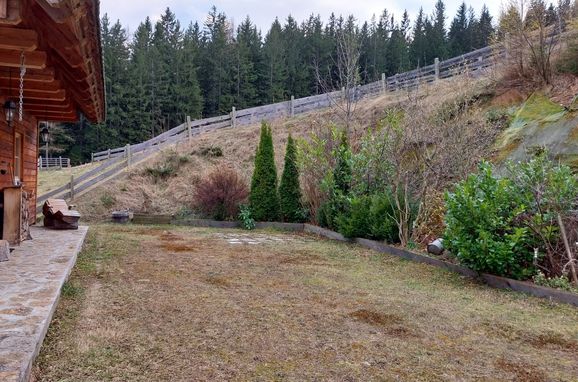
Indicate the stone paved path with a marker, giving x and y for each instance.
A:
(30, 284)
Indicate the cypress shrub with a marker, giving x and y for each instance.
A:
(289, 190)
(263, 198)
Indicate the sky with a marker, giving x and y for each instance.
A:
(262, 13)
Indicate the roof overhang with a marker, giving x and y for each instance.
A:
(60, 43)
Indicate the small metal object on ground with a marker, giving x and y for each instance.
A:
(4, 250)
(436, 247)
(121, 217)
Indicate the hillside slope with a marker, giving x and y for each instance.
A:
(165, 183)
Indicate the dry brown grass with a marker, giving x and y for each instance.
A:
(52, 179)
(304, 310)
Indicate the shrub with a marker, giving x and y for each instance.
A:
(167, 167)
(289, 190)
(264, 200)
(370, 217)
(210, 152)
(383, 225)
(247, 221)
(220, 194)
(547, 190)
(107, 200)
(480, 227)
(355, 221)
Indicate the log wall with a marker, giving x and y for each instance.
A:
(28, 129)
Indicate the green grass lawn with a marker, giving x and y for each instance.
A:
(183, 304)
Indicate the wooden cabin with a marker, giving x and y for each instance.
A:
(51, 68)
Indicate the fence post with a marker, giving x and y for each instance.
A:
(40, 162)
(91, 157)
(292, 107)
(60, 162)
(233, 117)
(189, 132)
(128, 155)
(437, 68)
(71, 187)
(383, 83)
(395, 81)
(108, 154)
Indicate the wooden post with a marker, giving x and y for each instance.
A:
(343, 93)
(60, 162)
(383, 83)
(292, 107)
(233, 117)
(40, 162)
(71, 187)
(108, 155)
(395, 81)
(91, 157)
(128, 155)
(189, 132)
(437, 68)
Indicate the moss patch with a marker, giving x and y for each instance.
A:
(537, 108)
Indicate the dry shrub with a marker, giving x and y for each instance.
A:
(220, 193)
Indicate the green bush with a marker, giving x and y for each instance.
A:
(355, 221)
(480, 226)
(383, 226)
(370, 217)
(247, 221)
(289, 190)
(264, 200)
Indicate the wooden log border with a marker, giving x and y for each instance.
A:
(491, 280)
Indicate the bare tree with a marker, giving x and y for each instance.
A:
(343, 74)
(530, 35)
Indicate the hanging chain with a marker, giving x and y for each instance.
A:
(22, 73)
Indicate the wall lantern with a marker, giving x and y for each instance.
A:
(44, 133)
(10, 111)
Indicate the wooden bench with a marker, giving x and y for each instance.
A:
(58, 215)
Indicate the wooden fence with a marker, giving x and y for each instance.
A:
(53, 163)
(115, 161)
(474, 63)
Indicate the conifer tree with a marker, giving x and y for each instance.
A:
(263, 199)
(289, 189)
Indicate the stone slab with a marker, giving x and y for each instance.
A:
(30, 284)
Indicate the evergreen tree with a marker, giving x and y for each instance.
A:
(458, 32)
(263, 198)
(485, 29)
(418, 46)
(275, 62)
(437, 38)
(247, 65)
(289, 190)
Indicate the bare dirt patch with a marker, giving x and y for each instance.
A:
(270, 312)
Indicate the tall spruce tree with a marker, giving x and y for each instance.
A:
(263, 198)
(289, 189)
(276, 64)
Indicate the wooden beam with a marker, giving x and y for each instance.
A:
(69, 110)
(60, 95)
(40, 75)
(31, 85)
(56, 117)
(18, 39)
(3, 9)
(33, 60)
(45, 102)
(58, 15)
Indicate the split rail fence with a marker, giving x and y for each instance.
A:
(116, 160)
